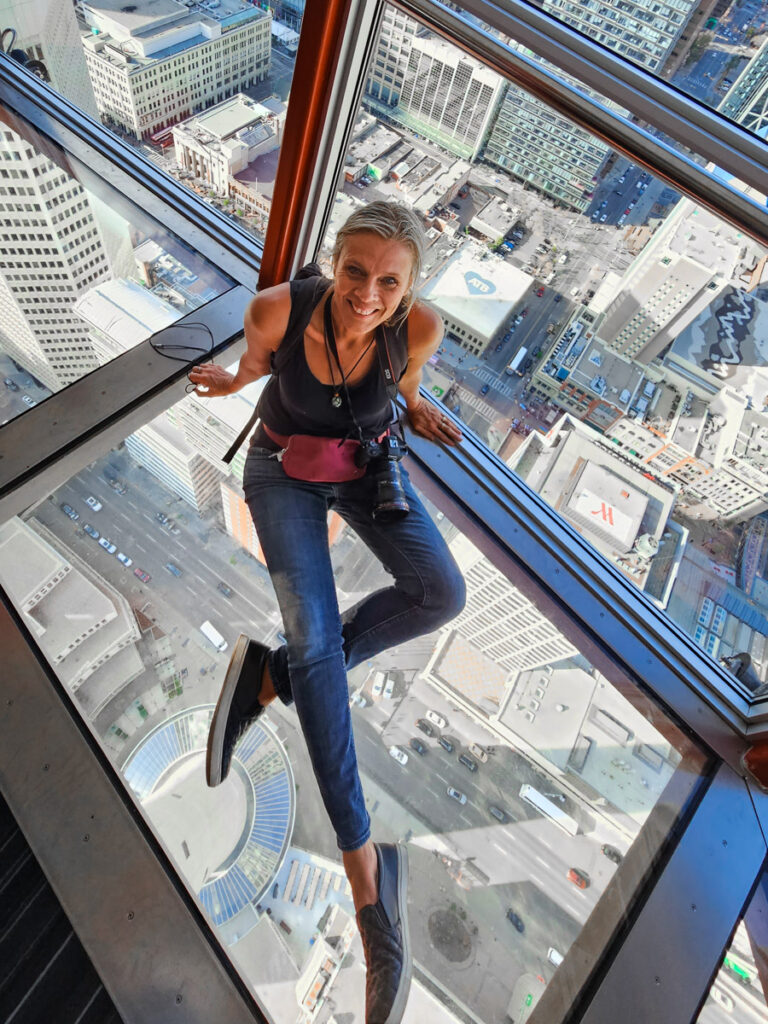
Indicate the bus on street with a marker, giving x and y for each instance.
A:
(549, 809)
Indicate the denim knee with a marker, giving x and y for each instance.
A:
(446, 593)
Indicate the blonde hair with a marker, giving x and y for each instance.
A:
(394, 222)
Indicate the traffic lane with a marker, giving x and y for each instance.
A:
(158, 544)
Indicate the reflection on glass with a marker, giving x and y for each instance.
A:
(199, 88)
(602, 335)
(79, 283)
(736, 993)
(526, 780)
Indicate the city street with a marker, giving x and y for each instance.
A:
(522, 863)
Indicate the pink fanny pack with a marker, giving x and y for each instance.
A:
(327, 460)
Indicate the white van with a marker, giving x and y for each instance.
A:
(554, 957)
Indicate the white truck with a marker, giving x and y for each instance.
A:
(213, 636)
(514, 366)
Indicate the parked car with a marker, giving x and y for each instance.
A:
(143, 576)
(161, 517)
(498, 347)
(90, 531)
(174, 570)
(516, 921)
(124, 559)
(524, 313)
(446, 744)
(477, 751)
(94, 503)
(108, 545)
(399, 755)
(418, 746)
(604, 218)
(539, 292)
(425, 727)
(27, 400)
(468, 762)
(578, 878)
(389, 688)
(455, 794)
(435, 719)
(11, 384)
(69, 511)
(358, 700)
(224, 589)
(611, 853)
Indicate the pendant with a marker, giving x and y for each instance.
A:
(336, 401)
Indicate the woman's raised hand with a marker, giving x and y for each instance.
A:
(428, 421)
(212, 381)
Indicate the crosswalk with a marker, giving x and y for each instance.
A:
(487, 377)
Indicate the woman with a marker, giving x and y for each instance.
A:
(336, 350)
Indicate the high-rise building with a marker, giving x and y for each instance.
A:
(93, 648)
(644, 31)
(500, 621)
(747, 99)
(432, 88)
(689, 261)
(532, 142)
(155, 63)
(56, 241)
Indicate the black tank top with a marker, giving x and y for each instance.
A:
(294, 401)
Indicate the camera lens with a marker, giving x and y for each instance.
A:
(390, 502)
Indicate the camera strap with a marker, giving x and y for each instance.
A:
(330, 341)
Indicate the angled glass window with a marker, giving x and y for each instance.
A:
(527, 782)
(737, 991)
(200, 89)
(84, 274)
(714, 54)
(602, 335)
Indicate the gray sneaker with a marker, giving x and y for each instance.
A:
(384, 931)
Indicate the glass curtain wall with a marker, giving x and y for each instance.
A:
(602, 334)
(715, 53)
(199, 89)
(533, 791)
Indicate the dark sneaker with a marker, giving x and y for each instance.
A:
(238, 706)
(384, 931)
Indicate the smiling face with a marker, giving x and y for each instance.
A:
(371, 276)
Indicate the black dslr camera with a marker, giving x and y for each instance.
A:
(381, 458)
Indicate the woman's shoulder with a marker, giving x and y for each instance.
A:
(269, 311)
(424, 325)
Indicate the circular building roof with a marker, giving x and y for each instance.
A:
(229, 841)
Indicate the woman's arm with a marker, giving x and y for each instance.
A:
(266, 320)
(425, 332)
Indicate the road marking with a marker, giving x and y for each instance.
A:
(141, 548)
(500, 848)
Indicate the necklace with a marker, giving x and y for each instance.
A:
(336, 396)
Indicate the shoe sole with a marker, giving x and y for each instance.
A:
(398, 1006)
(214, 751)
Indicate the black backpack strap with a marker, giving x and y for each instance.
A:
(300, 315)
(306, 292)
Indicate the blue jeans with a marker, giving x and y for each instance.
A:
(310, 669)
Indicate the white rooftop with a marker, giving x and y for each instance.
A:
(479, 293)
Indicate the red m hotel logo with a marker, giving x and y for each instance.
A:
(605, 511)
